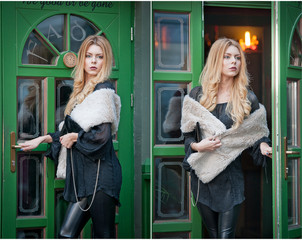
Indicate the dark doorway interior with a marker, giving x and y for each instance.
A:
(256, 212)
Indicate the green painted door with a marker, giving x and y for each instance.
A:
(176, 65)
(37, 38)
(287, 106)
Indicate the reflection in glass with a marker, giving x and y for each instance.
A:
(293, 119)
(30, 108)
(168, 99)
(172, 235)
(36, 51)
(80, 29)
(296, 46)
(53, 29)
(293, 188)
(29, 233)
(30, 184)
(63, 91)
(171, 184)
(171, 41)
(60, 210)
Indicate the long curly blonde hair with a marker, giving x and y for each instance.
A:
(238, 106)
(80, 89)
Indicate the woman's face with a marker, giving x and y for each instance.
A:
(93, 61)
(231, 62)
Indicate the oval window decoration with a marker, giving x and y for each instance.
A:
(296, 46)
(53, 38)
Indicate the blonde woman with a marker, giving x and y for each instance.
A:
(230, 120)
(93, 172)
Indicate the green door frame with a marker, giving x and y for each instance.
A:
(123, 50)
(193, 226)
(284, 19)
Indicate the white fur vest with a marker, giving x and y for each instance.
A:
(101, 106)
(208, 165)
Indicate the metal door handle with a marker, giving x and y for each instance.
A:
(286, 152)
(13, 148)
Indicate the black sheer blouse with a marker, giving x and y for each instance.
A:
(90, 146)
(227, 189)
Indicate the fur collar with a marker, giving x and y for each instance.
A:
(101, 106)
(208, 165)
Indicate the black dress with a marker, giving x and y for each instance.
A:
(227, 189)
(90, 146)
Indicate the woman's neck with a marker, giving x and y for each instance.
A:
(224, 90)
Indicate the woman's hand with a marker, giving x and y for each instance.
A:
(34, 143)
(266, 149)
(207, 144)
(68, 139)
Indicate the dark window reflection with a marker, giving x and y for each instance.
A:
(168, 99)
(63, 91)
(30, 108)
(36, 51)
(171, 41)
(30, 234)
(171, 189)
(53, 29)
(79, 30)
(30, 184)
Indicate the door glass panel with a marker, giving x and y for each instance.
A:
(30, 185)
(64, 88)
(36, 51)
(293, 113)
(172, 235)
(172, 191)
(52, 29)
(60, 210)
(80, 29)
(293, 188)
(30, 233)
(168, 99)
(171, 41)
(30, 108)
(296, 46)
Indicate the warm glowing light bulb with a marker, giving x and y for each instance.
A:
(247, 39)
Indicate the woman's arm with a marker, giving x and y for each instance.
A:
(34, 143)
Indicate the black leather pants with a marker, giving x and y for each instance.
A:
(102, 213)
(219, 224)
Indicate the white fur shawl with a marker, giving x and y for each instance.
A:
(101, 106)
(208, 165)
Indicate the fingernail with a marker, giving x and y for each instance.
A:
(21, 149)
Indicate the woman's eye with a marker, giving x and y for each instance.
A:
(100, 57)
(226, 57)
(238, 58)
(88, 56)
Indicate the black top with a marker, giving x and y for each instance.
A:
(90, 146)
(227, 189)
